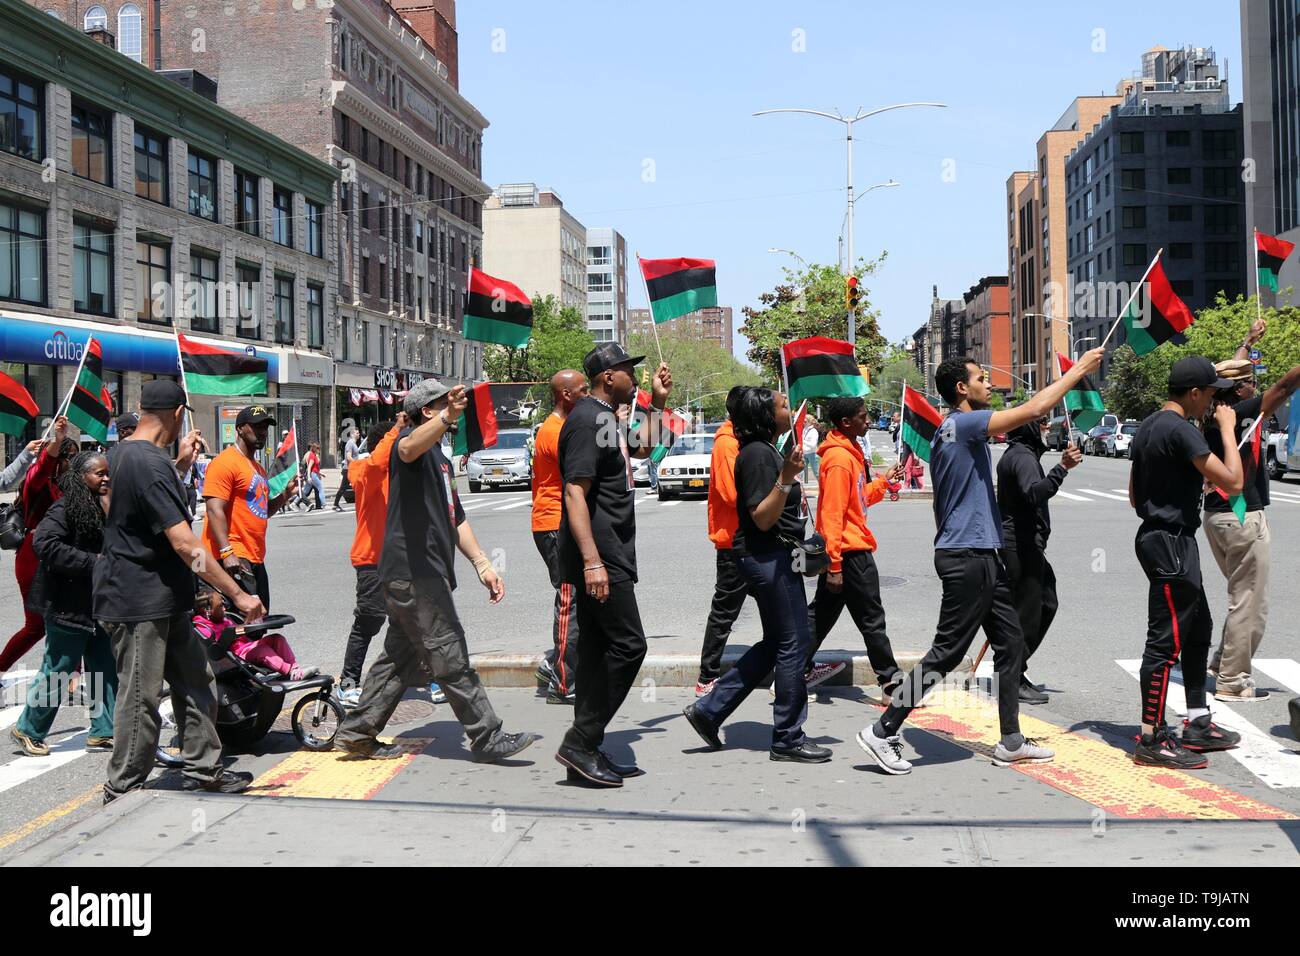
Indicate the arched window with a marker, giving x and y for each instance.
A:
(96, 19)
(128, 31)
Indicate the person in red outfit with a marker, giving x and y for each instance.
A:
(40, 490)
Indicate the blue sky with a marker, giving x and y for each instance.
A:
(639, 116)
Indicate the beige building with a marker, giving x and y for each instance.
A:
(530, 239)
(713, 324)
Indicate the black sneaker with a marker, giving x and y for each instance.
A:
(1029, 694)
(806, 752)
(1205, 736)
(505, 746)
(1162, 749)
(554, 696)
(226, 781)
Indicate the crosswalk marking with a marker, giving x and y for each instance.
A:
(23, 769)
(1104, 494)
(1274, 763)
(513, 504)
(669, 504)
(1284, 495)
(1283, 670)
(1066, 494)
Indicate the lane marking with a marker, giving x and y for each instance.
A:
(1284, 495)
(1066, 494)
(23, 769)
(334, 774)
(1273, 762)
(669, 504)
(50, 816)
(516, 504)
(1104, 494)
(1095, 772)
(1283, 670)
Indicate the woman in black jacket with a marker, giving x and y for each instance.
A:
(67, 542)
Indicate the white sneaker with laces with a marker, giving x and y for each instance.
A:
(1029, 751)
(885, 751)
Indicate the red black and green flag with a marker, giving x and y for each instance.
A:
(497, 311)
(476, 428)
(17, 408)
(1237, 502)
(921, 422)
(643, 407)
(284, 466)
(87, 406)
(679, 286)
(212, 370)
(822, 368)
(797, 425)
(1083, 402)
(671, 427)
(1270, 253)
(1163, 315)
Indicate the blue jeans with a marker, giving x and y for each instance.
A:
(783, 609)
(653, 470)
(313, 487)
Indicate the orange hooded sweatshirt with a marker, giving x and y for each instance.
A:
(843, 496)
(722, 487)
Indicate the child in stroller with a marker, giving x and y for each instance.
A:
(271, 651)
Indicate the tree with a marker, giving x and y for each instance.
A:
(887, 387)
(703, 372)
(811, 302)
(560, 340)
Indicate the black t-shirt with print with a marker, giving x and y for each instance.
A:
(1166, 485)
(423, 514)
(1256, 486)
(593, 445)
(758, 466)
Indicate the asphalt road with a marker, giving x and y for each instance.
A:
(1101, 624)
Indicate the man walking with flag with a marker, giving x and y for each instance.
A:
(558, 667)
(240, 501)
(1237, 529)
(598, 551)
(425, 527)
(976, 588)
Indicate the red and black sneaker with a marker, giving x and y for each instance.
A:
(1162, 749)
(1204, 736)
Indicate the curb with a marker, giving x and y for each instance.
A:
(682, 670)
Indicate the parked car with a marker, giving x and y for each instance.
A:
(1057, 438)
(508, 462)
(1095, 443)
(686, 466)
(710, 427)
(1120, 440)
(641, 471)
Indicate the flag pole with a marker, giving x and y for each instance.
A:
(1069, 425)
(1136, 289)
(67, 399)
(1259, 293)
(654, 325)
(180, 359)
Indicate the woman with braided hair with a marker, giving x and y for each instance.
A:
(67, 542)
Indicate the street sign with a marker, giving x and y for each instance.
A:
(1260, 368)
(1255, 355)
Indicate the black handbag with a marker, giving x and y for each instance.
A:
(808, 556)
(12, 527)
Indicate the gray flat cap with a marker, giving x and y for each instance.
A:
(429, 390)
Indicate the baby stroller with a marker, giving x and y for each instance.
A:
(250, 697)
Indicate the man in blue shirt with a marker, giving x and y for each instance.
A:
(976, 588)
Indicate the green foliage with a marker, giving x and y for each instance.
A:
(703, 372)
(1136, 385)
(886, 385)
(1020, 395)
(560, 340)
(997, 402)
(811, 302)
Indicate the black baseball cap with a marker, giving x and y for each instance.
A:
(127, 420)
(1196, 371)
(253, 415)
(605, 356)
(162, 395)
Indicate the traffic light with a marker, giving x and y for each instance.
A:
(852, 294)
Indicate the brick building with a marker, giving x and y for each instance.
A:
(712, 324)
(988, 330)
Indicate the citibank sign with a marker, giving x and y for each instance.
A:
(59, 348)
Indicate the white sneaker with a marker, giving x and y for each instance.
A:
(885, 751)
(350, 697)
(1029, 751)
(821, 673)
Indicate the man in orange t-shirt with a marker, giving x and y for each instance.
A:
(561, 660)
(730, 589)
(238, 504)
(368, 475)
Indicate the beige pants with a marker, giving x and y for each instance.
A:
(1242, 553)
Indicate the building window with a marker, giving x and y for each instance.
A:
(1178, 176)
(1219, 144)
(600, 282)
(246, 202)
(152, 281)
(1180, 213)
(1220, 182)
(21, 116)
(150, 166)
(128, 31)
(365, 274)
(1133, 217)
(96, 19)
(1222, 257)
(22, 259)
(1130, 143)
(408, 231)
(1132, 179)
(419, 236)
(91, 136)
(201, 298)
(1135, 254)
(284, 310)
(365, 209)
(249, 281)
(315, 316)
(92, 269)
(314, 219)
(1178, 139)
(202, 186)
(282, 201)
(365, 343)
(1180, 250)
(1220, 219)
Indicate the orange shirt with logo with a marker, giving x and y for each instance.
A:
(234, 478)
(369, 477)
(548, 486)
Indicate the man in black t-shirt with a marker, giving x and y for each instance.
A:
(598, 552)
(424, 528)
(1171, 462)
(144, 596)
(1241, 545)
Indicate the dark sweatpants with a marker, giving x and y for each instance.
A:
(861, 595)
(564, 624)
(729, 592)
(611, 647)
(1033, 586)
(367, 620)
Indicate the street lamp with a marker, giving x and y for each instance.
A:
(848, 122)
(790, 253)
(839, 251)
